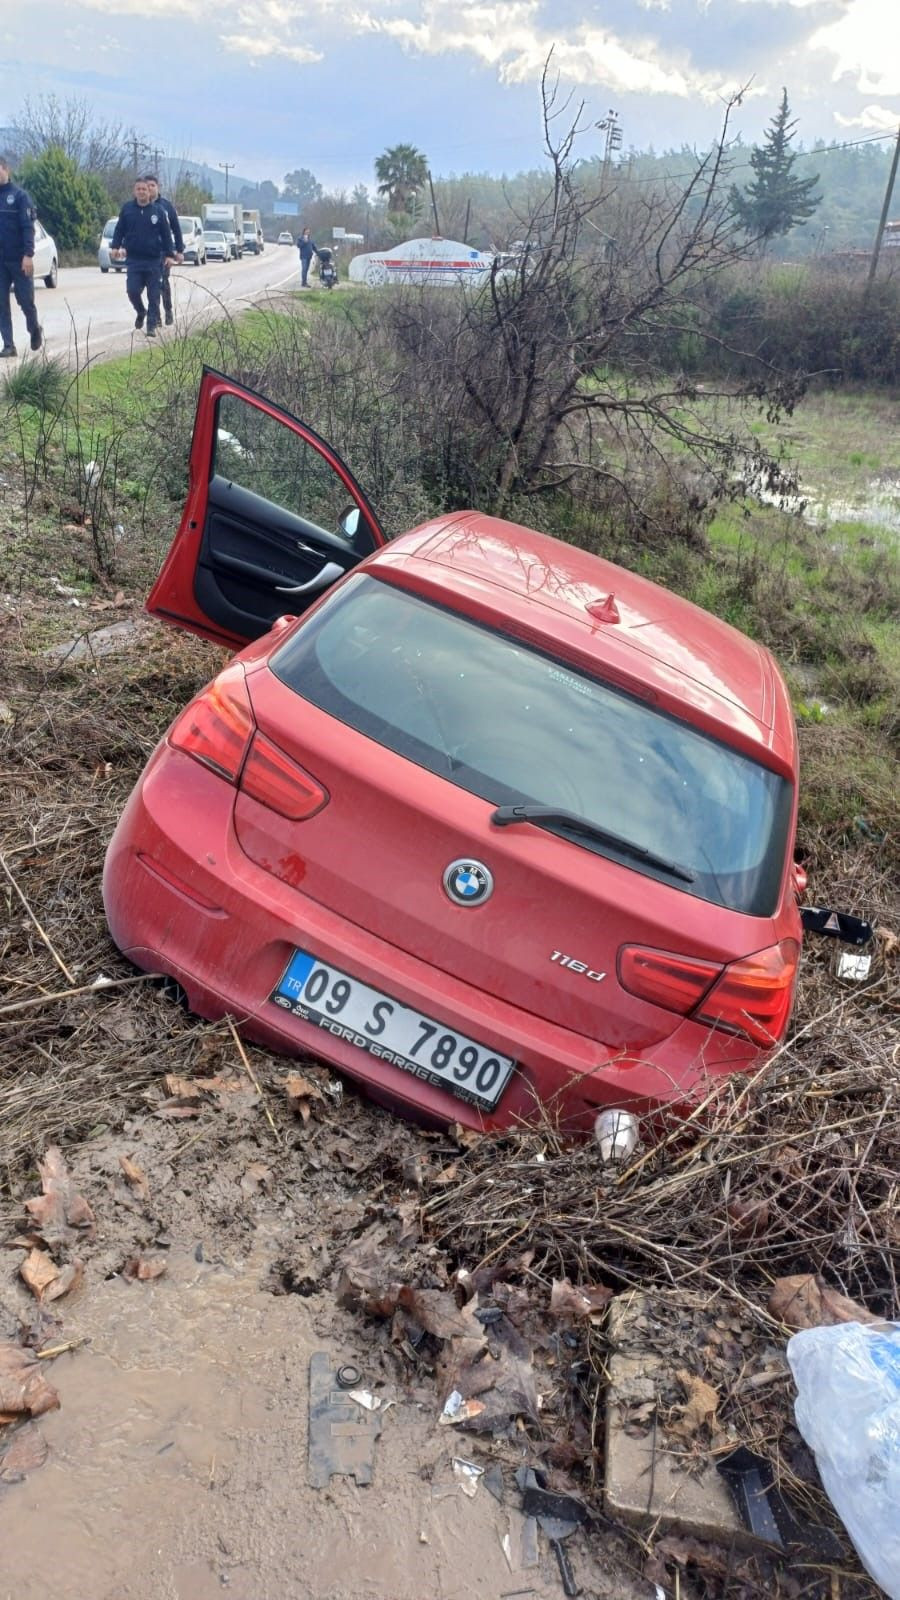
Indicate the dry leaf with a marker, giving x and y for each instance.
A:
(143, 1268)
(134, 1176)
(701, 1406)
(60, 1211)
(804, 1300)
(300, 1093)
(581, 1300)
(69, 1278)
(23, 1387)
(182, 1088)
(748, 1217)
(889, 941)
(256, 1175)
(26, 1450)
(38, 1270)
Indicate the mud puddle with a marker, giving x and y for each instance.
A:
(178, 1464)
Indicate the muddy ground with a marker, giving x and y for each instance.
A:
(239, 1227)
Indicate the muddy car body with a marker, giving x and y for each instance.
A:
(482, 819)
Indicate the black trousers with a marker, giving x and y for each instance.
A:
(12, 278)
(141, 275)
(165, 286)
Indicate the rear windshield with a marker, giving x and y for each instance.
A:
(509, 723)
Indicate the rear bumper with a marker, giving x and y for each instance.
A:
(183, 899)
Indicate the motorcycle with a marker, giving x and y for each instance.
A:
(327, 268)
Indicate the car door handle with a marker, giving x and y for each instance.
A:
(323, 577)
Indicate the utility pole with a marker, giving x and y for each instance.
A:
(873, 265)
(437, 226)
(226, 166)
(466, 228)
(136, 147)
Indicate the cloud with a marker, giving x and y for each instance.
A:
(260, 46)
(866, 45)
(879, 119)
(510, 37)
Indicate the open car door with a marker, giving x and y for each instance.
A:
(272, 519)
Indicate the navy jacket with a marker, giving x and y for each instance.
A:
(174, 224)
(16, 223)
(307, 249)
(144, 231)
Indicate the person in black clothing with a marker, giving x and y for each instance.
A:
(307, 251)
(172, 217)
(16, 259)
(143, 237)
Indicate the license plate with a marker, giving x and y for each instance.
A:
(393, 1032)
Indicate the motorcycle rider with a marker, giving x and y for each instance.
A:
(307, 250)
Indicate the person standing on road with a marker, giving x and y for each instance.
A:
(144, 239)
(307, 251)
(16, 259)
(172, 218)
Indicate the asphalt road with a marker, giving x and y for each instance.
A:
(89, 315)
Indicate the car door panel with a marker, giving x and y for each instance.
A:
(246, 551)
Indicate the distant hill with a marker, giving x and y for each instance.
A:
(210, 177)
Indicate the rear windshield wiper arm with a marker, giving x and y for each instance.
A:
(504, 816)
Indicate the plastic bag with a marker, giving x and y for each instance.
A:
(848, 1411)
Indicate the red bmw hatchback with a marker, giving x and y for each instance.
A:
(485, 821)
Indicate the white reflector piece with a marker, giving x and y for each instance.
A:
(853, 967)
(617, 1134)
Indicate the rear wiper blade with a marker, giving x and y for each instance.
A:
(504, 816)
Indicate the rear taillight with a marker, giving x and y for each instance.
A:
(217, 728)
(277, 782)
(754, 996)
(676, 982)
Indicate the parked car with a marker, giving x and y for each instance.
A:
(216, 245)
(46, 257)
(285, 238)
(104, 260)
(486, 821)
(192, 234)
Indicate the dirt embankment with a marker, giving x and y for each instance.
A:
(239, 1226)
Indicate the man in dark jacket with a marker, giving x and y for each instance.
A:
(143, 237)
(16, 259)
(307, 251)
(172, 218)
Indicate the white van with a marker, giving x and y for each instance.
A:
(194, 246)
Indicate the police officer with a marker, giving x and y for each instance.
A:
(16, 259)
(143, 237)
(172, 216)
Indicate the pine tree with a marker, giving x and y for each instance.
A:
(776, 201)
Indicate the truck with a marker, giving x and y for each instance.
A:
(253, 234)
(228, 219)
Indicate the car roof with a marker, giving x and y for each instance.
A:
(685, 658)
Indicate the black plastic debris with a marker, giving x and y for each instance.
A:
(765, 1511)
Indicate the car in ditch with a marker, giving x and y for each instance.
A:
(492, 825)
(432, 262)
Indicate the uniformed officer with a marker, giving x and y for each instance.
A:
(143, 237)
(16, 259)
(172, 216)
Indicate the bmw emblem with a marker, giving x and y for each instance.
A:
(468, 883)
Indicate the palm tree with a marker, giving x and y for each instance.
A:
(401, 172)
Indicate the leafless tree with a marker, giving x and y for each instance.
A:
(96, 147)
(563, 370)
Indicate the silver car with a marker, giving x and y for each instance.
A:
(103, 257)
(217, 246)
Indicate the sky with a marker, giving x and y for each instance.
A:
(271, 85)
